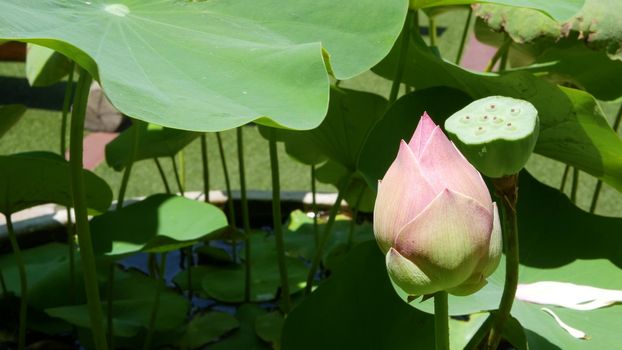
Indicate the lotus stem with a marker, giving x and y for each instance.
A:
(205, 167)
(156, 304)
(245, 219)
(507, 190)
(162, 175)
(3, 284)
(63, 150)
(81, 215)
(355, 212)
(463, 39)
(500, 52)
(433, 32)
(276, 217)
(441, 321)
(397, 80)
(316, 234)
(130, 164)
(575, 185)
(230, 207)
(599, 183)
(110, 305)
(23, 283)
(564, 178)
(180, 186)
(315, 263)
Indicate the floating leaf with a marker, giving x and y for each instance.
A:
(166, 222)
(206, 328)
(244, 337)
(523, 25)
(226, 283)
(269, 327)
(213, 65)
(134, 297)
(45, 66)
(30, 179)
(9, 116)
(153, 141)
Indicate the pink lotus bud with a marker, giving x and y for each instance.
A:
(434, 218)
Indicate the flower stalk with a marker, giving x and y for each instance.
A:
(441, 321)
(507, 190)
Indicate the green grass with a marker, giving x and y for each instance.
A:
(39, 130)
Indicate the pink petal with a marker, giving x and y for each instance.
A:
(495, 247)
(568, 295)
(448, 239)
(445, 167)
(422, 134)
(402, 195)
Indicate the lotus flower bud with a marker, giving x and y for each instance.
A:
(497, 134)
(434, 218)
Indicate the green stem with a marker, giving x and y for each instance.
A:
(81, 215)
(230, 207)
(180, 186)
(599, 184)
(66, 106)
(71, 248)
(130, 164)
(463, 39)
(205, 167)
(316, 233)
(441, 321)
(315, 263)
(23, 283)
(397, 80)
(500, 52)
(276, 217)
(3, 285)
(162, 175)
(564, 178)
(156, 304)
(63, 150)
(245, 217)
(182, 169)
(575, 185)
(110, 302)
(355, 213)
(433, 31)
(508, 192)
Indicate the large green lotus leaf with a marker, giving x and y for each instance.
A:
(45, 66)
(571, 63)
(341, 135)
(226, 283)
(153, 141)
(558, 242)
(598, 23)
(134, 295)
(368, 314)
(523, 25)
(30, 179)
(9, 115)
(213, 65)
(206, 328)
(399, 123)
(573, 128)
(244, 337)
(158, 223)
(557, 9)
(47, 268)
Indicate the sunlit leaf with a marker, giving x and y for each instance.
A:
(213, 65)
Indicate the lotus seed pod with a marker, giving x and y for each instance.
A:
(496, 134)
